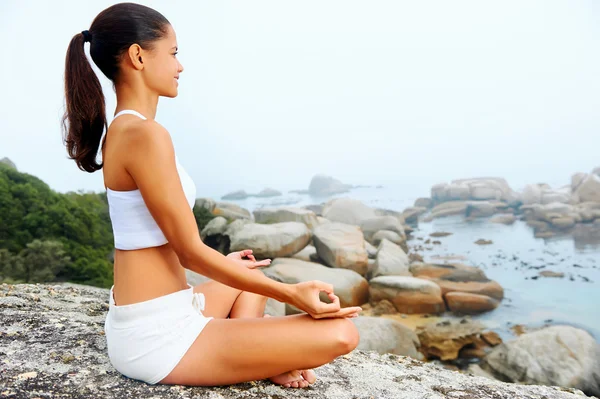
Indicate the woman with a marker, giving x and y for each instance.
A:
(159, 329)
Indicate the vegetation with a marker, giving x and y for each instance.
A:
(47, 236)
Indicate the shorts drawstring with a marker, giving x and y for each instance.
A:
(198, 301)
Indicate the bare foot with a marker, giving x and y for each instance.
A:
(294, 379)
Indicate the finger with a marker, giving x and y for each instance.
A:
(328, 288)
(334, 306)
(344, 312)
(251, 257)
(259, 264)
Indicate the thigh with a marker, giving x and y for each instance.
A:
(219, 298)
(229, 351)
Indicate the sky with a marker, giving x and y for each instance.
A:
(389, 92)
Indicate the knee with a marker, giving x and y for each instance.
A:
(347, 337)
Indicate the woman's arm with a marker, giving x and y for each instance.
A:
(151, 163)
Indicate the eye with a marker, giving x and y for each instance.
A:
(175, 53)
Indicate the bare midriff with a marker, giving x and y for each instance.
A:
(145, 274)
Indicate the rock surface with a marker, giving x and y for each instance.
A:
(557, 355)
(52, 347)
(341, 245)
(271, 240)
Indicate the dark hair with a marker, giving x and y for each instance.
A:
(111, 34)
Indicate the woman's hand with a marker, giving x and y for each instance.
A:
(251, 262)
(306, 298)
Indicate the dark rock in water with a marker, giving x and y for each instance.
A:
(322, 186)
(52, 344)
(440, 234)
(236, 195)
(268, 192)
(481, 241)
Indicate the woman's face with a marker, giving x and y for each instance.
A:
(162, 69)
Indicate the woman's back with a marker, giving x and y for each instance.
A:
(145, 265)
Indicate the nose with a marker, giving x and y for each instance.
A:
(180, 68)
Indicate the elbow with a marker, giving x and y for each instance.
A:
(191, 256)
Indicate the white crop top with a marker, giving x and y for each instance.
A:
(133, 225)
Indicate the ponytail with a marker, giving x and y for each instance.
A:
(84, 120)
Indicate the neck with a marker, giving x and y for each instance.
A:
(138, 98)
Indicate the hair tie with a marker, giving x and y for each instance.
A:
(87, 36)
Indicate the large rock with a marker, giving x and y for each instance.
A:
(449, 208)
(558, 355)
(341, 245)
(390, 212)
(386, 336)
(348, 211)
(504, 219)
(349, 286)
(411, 214)
(408, 294)
(466, 303)
(444, 340)
(207, 203)
(423, 203)
(236, 195)
(305, 253)
(279, 215)
(216, 226)
(390, 260)
(373, 225)
(271, 240)
(323, 186)
(452, 271)
(589, 189)
(484, 188)
(231, 211)
(53, 346)
(489, 288)
(268, 192)
(391, 236)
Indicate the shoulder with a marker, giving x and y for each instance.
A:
(148, 138)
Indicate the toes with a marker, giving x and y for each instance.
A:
(309, 376)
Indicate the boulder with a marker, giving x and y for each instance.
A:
(408, 294)
(286, 214)
(390, 260)
(390, 236)
(305, 253)
(449, 208)
(452, 272)
(504, 219)
(235, 195)
(558, 355)
(411, 214)
(231, 211)
(54, 346)
(323, 186)
(348, 211)
(349, 286)
(373, 225)
(216, 226)
(466, 303)
(341, 245)
(207, 203)
(386, 336)
(489, 288)
(445, 340)
(423, 203)
(268, 192)
(271, 240)
(589, 189)
(389, 212)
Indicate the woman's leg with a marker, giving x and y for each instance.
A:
(230, 351)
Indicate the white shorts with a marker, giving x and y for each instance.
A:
(146, 340)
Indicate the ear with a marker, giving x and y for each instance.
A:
(135, 54)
